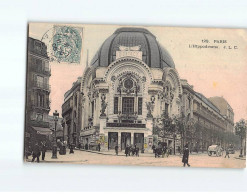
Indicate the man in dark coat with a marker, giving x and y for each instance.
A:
(116, 149)
(227, 153)
(36, 152)
(153, 148)
(185, 159)
(127, 150)
(99, 147)
(43, 149)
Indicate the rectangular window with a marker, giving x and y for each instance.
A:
(128, 105)
(166, 109)
(39, 65)
(139, 106)
(92, 109)
(46, 66)
(40, 100)
(40, 81)
(39, 117)
(115, 105)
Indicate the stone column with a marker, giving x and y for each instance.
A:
(149, 125)
(132, 138)
(102, 124)
(192, 108)
(119, 141)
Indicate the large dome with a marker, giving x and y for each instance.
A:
(153, 54)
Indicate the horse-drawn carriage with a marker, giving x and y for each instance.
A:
(215, 149)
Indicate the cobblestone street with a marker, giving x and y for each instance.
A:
(145, 159)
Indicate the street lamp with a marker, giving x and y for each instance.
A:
(54, 148)
(174, 137)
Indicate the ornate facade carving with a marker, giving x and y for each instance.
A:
(103, 105)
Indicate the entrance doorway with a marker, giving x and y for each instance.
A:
(169, 143)
(125, 140)
(139, 140)
(112, 140)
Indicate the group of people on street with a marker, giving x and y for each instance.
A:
(227, 153)
(38, 150)
(131, 150)
(165, 151)
(161, 151)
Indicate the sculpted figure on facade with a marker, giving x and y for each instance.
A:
(150, 107)
(103, 105)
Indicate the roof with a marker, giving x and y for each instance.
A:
(207, 101)
(221, 103)
(37, 47)
(74, 85)
(153, 54)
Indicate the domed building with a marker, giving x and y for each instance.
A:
(131, 81)
(122, 98)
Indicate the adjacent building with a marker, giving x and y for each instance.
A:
(71, 113)
(207, 116)
(225, 110)
(37, 92)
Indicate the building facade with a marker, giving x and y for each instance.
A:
(207, 118)
(130, 85)
(37, 92)
(71, 113)
(132, 80)
(225, 110)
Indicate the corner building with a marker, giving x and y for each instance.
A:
(37, 93)
(131, 80)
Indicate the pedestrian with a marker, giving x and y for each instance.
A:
(179, 150)
(99, 147)
(168, 152)
(163, 151)
(227, 153)
(36, 152)
(153, 148)
(127, 150)
(71, 147)
(137, 151)
(158, 151)
(116, 149)
(185, 159)
(43, 149)
(28, 151)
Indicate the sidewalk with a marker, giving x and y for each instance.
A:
(241, 158)
(120, 153)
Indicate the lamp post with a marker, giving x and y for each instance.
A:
(54, 148)
(174, 136)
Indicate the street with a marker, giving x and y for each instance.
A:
(145, 159)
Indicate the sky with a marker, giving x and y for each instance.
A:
(212, 72)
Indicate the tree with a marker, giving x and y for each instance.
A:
(200, 134)
(180, 126)
(240, 130)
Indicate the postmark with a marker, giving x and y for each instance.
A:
(64, 44)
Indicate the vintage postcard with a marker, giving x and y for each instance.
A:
(136, 95)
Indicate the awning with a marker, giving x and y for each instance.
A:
(42, 131)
